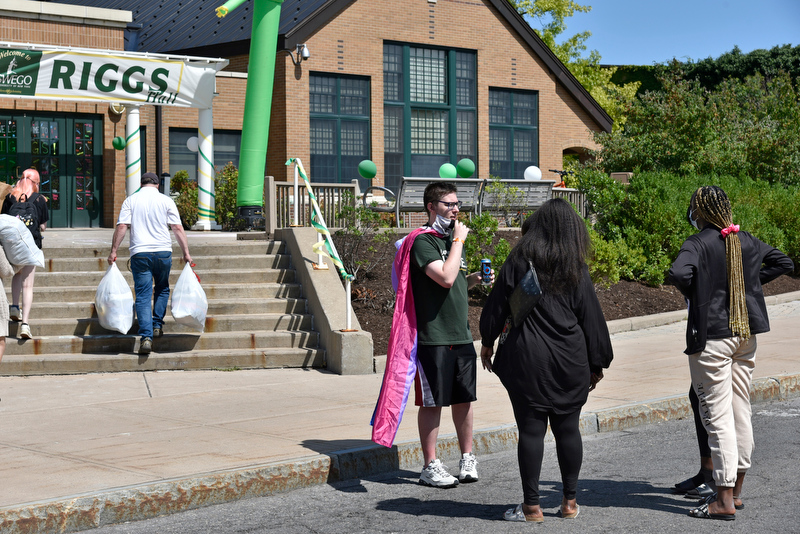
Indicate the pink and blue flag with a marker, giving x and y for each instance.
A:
(401, 355)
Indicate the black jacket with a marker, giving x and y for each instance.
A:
(700, 272)
(547, 362)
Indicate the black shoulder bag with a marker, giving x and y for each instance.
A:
(523, 300)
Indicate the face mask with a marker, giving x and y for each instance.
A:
(443, 225)
(690, 219)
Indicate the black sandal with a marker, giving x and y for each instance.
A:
(713, 497)
(702, 491)
(703, 513)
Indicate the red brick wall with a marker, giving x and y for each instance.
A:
(60, 33)
(238, 63)
(353, 44)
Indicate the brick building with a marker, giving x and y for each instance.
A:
(409, 84)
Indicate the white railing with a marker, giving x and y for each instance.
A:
(573, 196)
(331, 199)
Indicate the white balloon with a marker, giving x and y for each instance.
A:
(533, 173)
(191, 144)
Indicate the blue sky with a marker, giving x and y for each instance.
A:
(643, 32)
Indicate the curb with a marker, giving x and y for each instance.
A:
(135, 503)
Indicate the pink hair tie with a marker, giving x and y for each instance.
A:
(732, 229)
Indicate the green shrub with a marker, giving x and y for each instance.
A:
(479, 245)
(187, 198)
(226, 183)
(744, 127)
(507, 199)
(363, 228)
(604, 265)
(643, 225)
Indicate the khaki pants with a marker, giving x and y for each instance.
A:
(721, 376)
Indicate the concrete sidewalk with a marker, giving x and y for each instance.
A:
(81, 451)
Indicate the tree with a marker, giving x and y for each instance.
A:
(552, 15)
(734, 64)
(742, 128)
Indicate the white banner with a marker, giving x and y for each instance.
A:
(63, 74)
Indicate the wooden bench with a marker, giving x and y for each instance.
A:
(412, 191)
(533, 193)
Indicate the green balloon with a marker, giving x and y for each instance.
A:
(465, 168)
(118, 143)
(448, 171)
(367, 169)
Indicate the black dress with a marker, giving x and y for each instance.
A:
(547, 362)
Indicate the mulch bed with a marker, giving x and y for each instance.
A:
(373, 299)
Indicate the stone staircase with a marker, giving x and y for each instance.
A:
(257, 317)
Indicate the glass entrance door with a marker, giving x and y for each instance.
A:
(63, 149)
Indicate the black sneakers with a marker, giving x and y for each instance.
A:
(146, 347)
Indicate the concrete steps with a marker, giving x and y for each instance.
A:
(79, 363)
(257, 316)
(247, 262)
(90, 279)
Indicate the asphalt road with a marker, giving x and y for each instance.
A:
(624, 487)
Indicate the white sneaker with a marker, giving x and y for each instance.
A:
(467, 468)
(25, 331)
(14, 313)
(437, 476)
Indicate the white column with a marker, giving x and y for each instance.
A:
(206, 215)
(133, 152)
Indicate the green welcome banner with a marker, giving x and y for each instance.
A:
(94, 75)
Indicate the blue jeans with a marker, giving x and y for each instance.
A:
(149, 268)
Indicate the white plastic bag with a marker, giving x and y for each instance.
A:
(18, 243)
(114, 301)
(189, 303)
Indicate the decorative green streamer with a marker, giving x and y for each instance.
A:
(318, 223)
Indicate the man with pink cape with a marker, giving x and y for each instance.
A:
(430, 342)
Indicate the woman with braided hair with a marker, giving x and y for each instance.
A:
(720, 271)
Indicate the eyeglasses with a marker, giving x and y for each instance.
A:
(450, 205)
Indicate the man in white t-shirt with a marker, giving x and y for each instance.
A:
(150, 215)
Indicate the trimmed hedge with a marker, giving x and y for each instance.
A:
(640, 227)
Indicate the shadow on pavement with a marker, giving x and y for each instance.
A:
(592, 493)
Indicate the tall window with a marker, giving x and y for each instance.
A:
(513, 132)
(340, 132)
(429, 110)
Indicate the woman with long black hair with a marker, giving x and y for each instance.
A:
(551, 361)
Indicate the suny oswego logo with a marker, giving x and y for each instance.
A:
(97, 76)
(19, 71)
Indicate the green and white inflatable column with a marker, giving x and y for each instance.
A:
(257, 105)
(206, 215)
(133, 151)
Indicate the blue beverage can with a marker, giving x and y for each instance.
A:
(486, 271)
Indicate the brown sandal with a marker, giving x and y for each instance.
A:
(571, 515)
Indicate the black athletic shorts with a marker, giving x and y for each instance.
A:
(446, 375)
